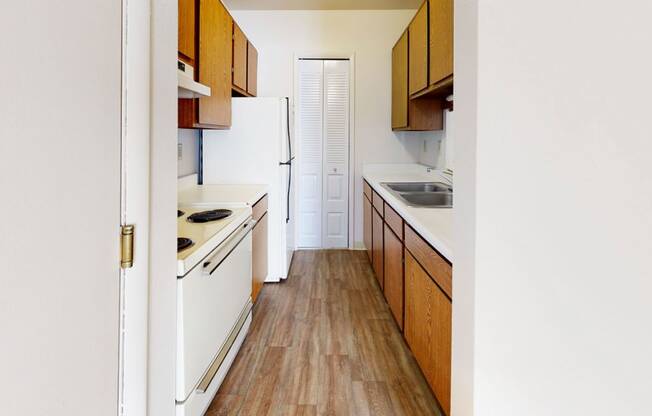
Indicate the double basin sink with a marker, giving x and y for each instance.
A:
(422, 194)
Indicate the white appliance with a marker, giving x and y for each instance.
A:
(187, 86)
(258, 150)
(213, 303)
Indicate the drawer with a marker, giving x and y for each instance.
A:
(394, 221)
(436, 266)
(260, 208)
(366, 189)
(378, 203)
(197, 403)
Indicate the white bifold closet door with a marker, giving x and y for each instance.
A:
(323, 153)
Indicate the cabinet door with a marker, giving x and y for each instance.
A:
(252, 70)
(400, 83)
(418, 46)
(187, 29)
(215, 63)
(393, 269)
(441, 40)
(428, 328)
(377, 245)
(259, 249)
(366, 205)
(239, 58)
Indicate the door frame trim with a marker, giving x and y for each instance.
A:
(294, 85)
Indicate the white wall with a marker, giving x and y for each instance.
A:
(554, 208)
(189, 161)
(370, 35)
(163, 201)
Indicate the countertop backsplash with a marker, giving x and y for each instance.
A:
(188, 163)
(437, 146)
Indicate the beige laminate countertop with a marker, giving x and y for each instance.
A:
(228, 194)
(435, 225)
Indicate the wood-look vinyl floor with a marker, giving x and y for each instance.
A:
(324, 343)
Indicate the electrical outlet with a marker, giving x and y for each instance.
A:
(425, 146)
(179, 151)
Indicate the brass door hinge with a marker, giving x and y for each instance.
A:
(126, 246)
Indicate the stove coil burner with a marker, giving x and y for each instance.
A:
(208, 216)
(183, 243)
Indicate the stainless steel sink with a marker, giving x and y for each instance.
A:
(422, 194)
(419, 187)
(429, 199)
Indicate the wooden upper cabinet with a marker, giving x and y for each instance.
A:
(215, 56)
(187, 30)
(239, 58)
(427, 328)
(418, 50)
(411, 114)
(400, 83)
(441, 40)
(252, 70)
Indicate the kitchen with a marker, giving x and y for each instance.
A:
(294, 161)
(312, 150)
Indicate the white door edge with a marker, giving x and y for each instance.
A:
(135, 143)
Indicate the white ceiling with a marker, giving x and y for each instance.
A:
(321, 4)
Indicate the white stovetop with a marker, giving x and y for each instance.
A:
(435, 225)
(207, 236)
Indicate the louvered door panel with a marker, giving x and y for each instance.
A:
(336, 154)
(310, 102)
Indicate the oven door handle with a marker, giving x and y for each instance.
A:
(228, 246)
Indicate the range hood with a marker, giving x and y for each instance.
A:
(188, 87)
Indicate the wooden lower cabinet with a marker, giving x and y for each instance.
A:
(427, 329)
(419, 297)
(377, 245)
(366, 228)
(260, 249)
(259, 253)
(393, 269)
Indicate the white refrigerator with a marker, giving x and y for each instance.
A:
(258, 149)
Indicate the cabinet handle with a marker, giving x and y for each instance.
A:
(227, 247)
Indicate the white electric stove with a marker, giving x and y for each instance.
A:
(213, 299)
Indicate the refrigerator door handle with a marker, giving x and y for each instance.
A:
(287, 163)
(287, 212)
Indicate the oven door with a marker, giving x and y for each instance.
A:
(210, 300)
